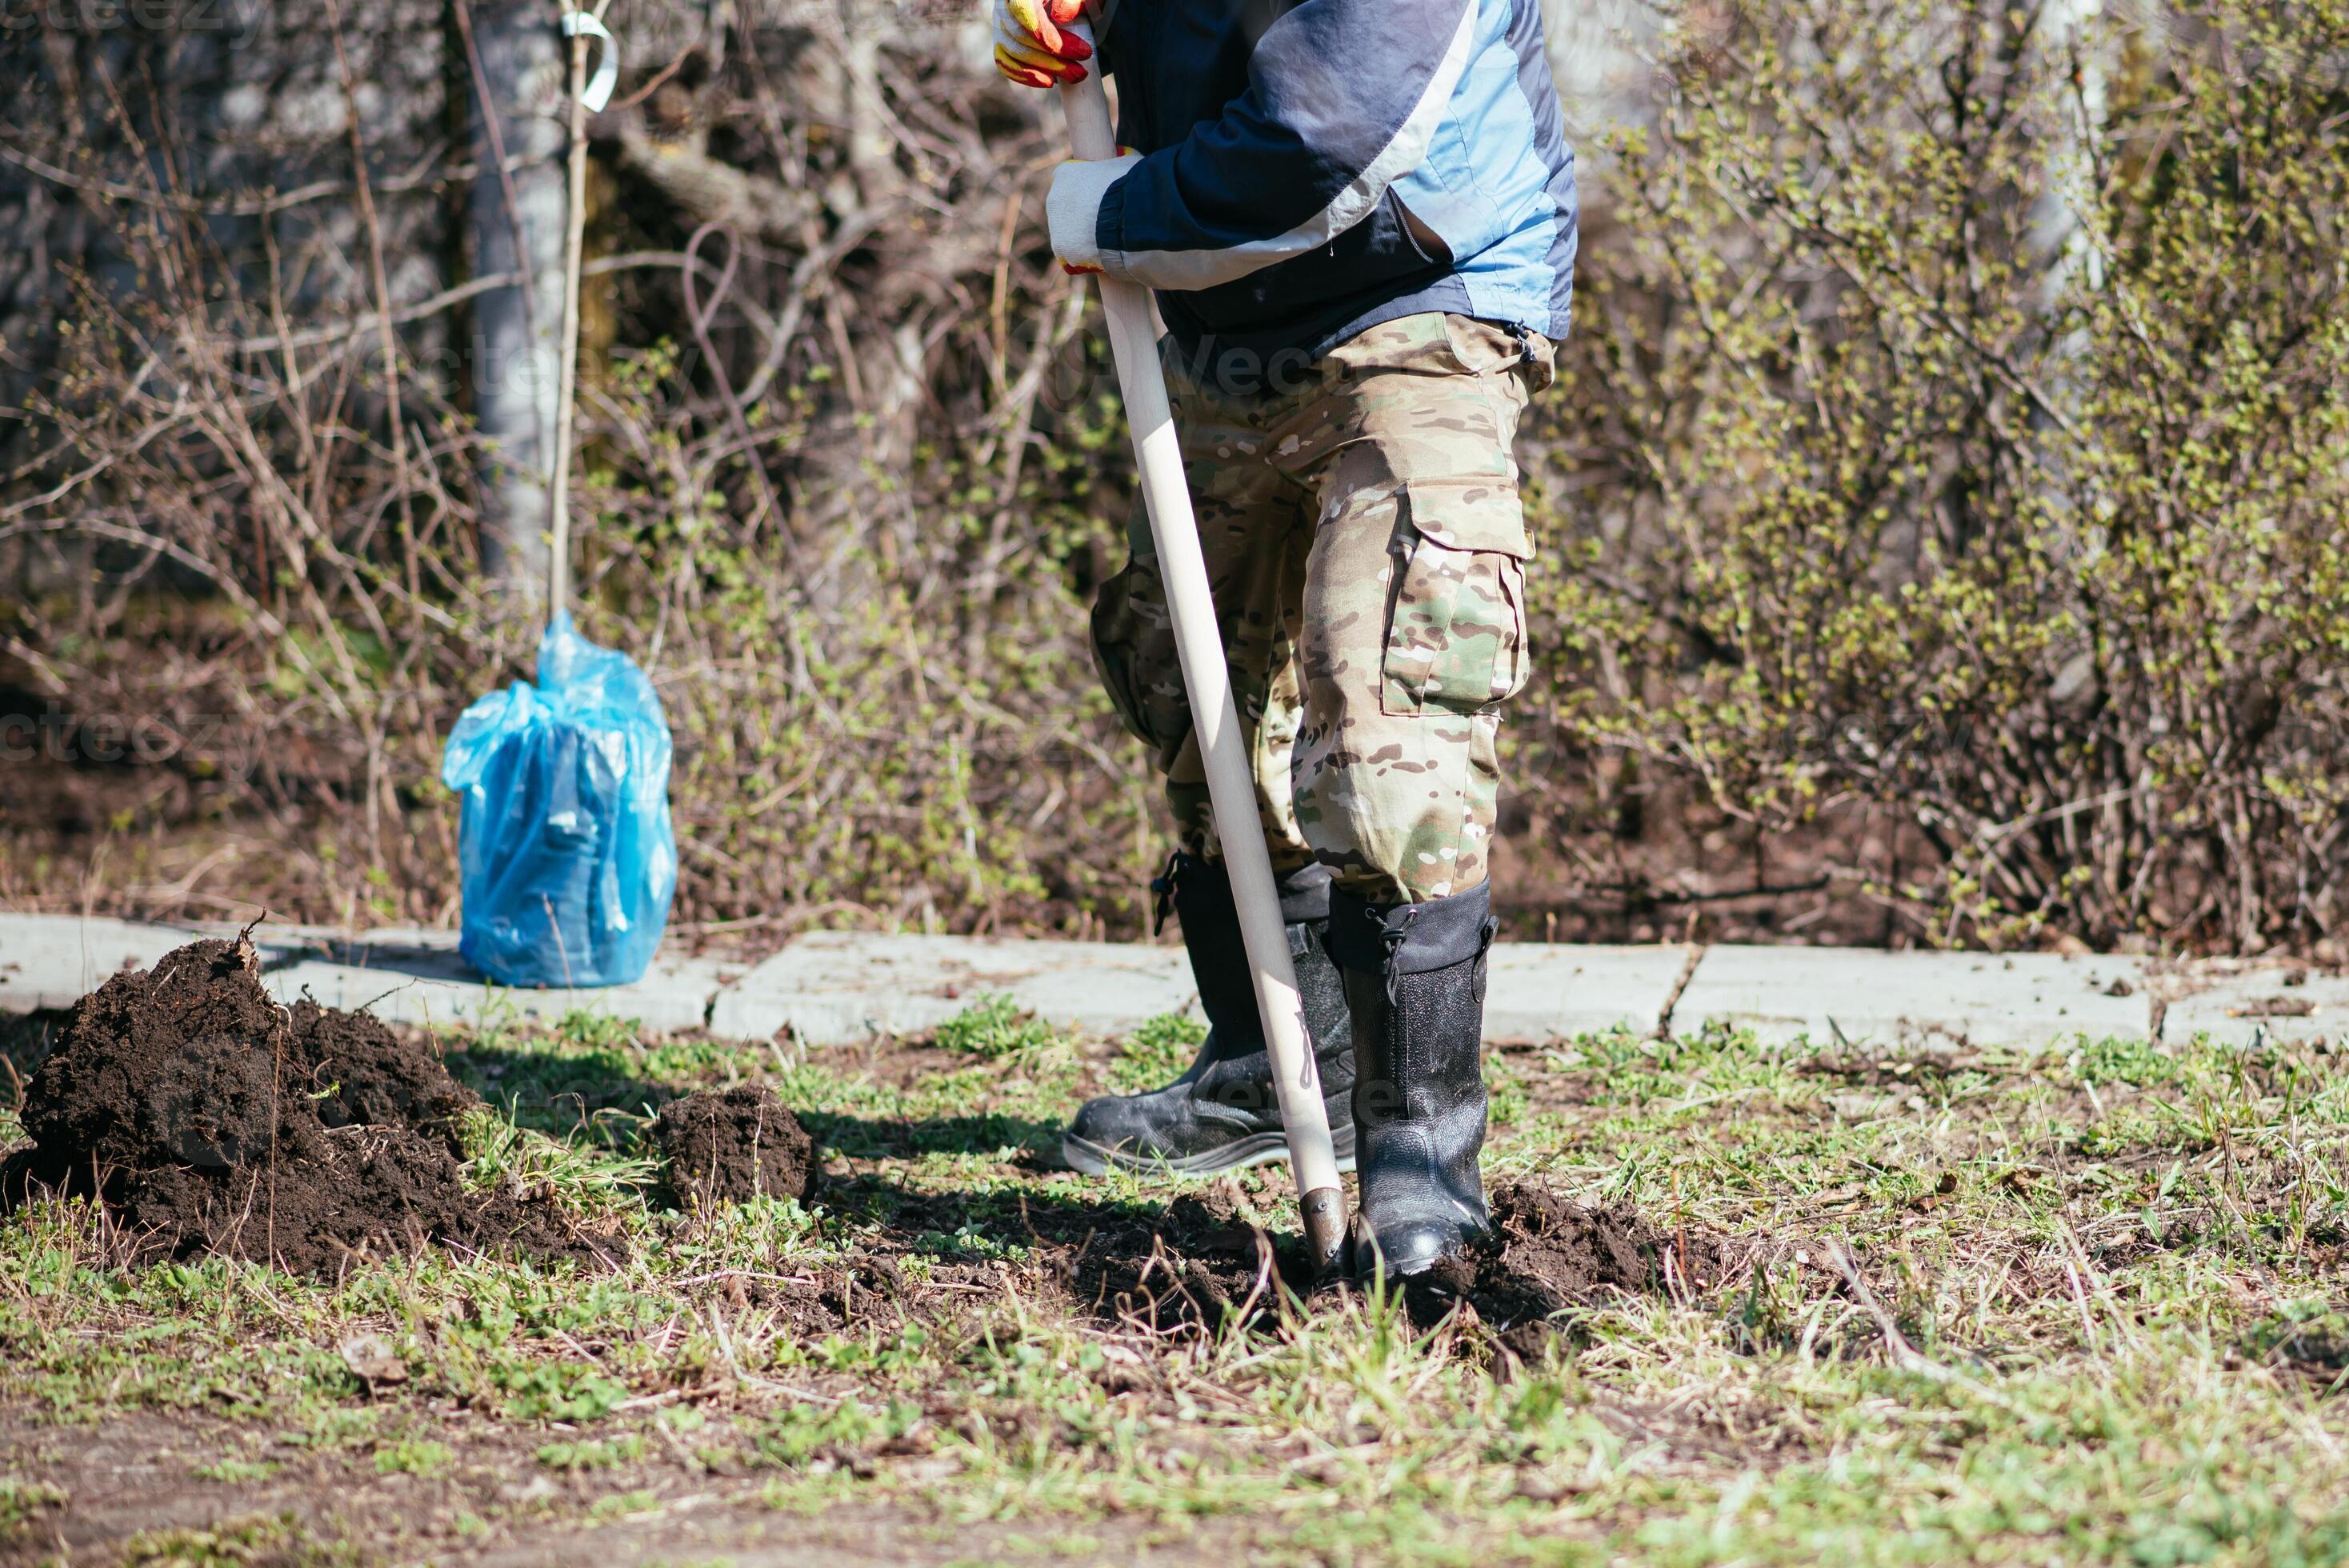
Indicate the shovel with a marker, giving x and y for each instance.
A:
(1214, 717)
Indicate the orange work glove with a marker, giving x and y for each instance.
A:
(1032, 46)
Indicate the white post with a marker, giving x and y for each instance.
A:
(558, 563)
(1216, 718)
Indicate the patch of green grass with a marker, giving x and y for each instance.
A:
(1157, 1053)
(593, 1454)
(595, 1030)
(808, 1494)
(236, 1471)
(273, 1539)
(558, 1085)
(995, 1028)
(557, 1392)
(2137, 1062)
(414, 1456)
(623, 1505)
(803, 1432)
(967, 1242)
(22, 1500)
(581, 1173)
(1505, 1083)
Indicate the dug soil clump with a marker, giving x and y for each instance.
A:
(1201, 1261)
(730, 1146)
(210, 1119)
(1545, 1257)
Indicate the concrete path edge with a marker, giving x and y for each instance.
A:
(836, 987)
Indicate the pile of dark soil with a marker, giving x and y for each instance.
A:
(1545, 1257)
(211, 1119)
(728, 1146)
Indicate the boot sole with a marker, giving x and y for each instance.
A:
(1257, 1148)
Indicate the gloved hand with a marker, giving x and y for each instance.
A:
(1072, 208)
(1031, 47)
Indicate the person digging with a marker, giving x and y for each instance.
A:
(1359, 219)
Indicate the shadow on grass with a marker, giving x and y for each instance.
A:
(1168, 1262)
(903, 1138)
(561, 1091)
(558, 1092)
(987, 1220)
(25, 1040)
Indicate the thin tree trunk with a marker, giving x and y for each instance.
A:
(516, 363)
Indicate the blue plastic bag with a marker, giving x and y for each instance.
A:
(566, 851)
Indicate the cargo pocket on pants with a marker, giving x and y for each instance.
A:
(1133, 652)
(1456, 617)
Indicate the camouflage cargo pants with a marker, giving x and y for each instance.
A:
(1367, 549)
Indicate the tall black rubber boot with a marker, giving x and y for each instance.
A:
(1415, 986)
(1224, 1113)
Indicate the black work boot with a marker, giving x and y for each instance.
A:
(1415, 986)
(1224, 1113)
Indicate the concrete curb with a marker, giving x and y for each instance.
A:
(836, 987)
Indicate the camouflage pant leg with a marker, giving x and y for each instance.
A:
(1366, 548)
(1255, 528)
(1413, 630)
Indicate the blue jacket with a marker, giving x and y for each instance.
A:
(1311, 168)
